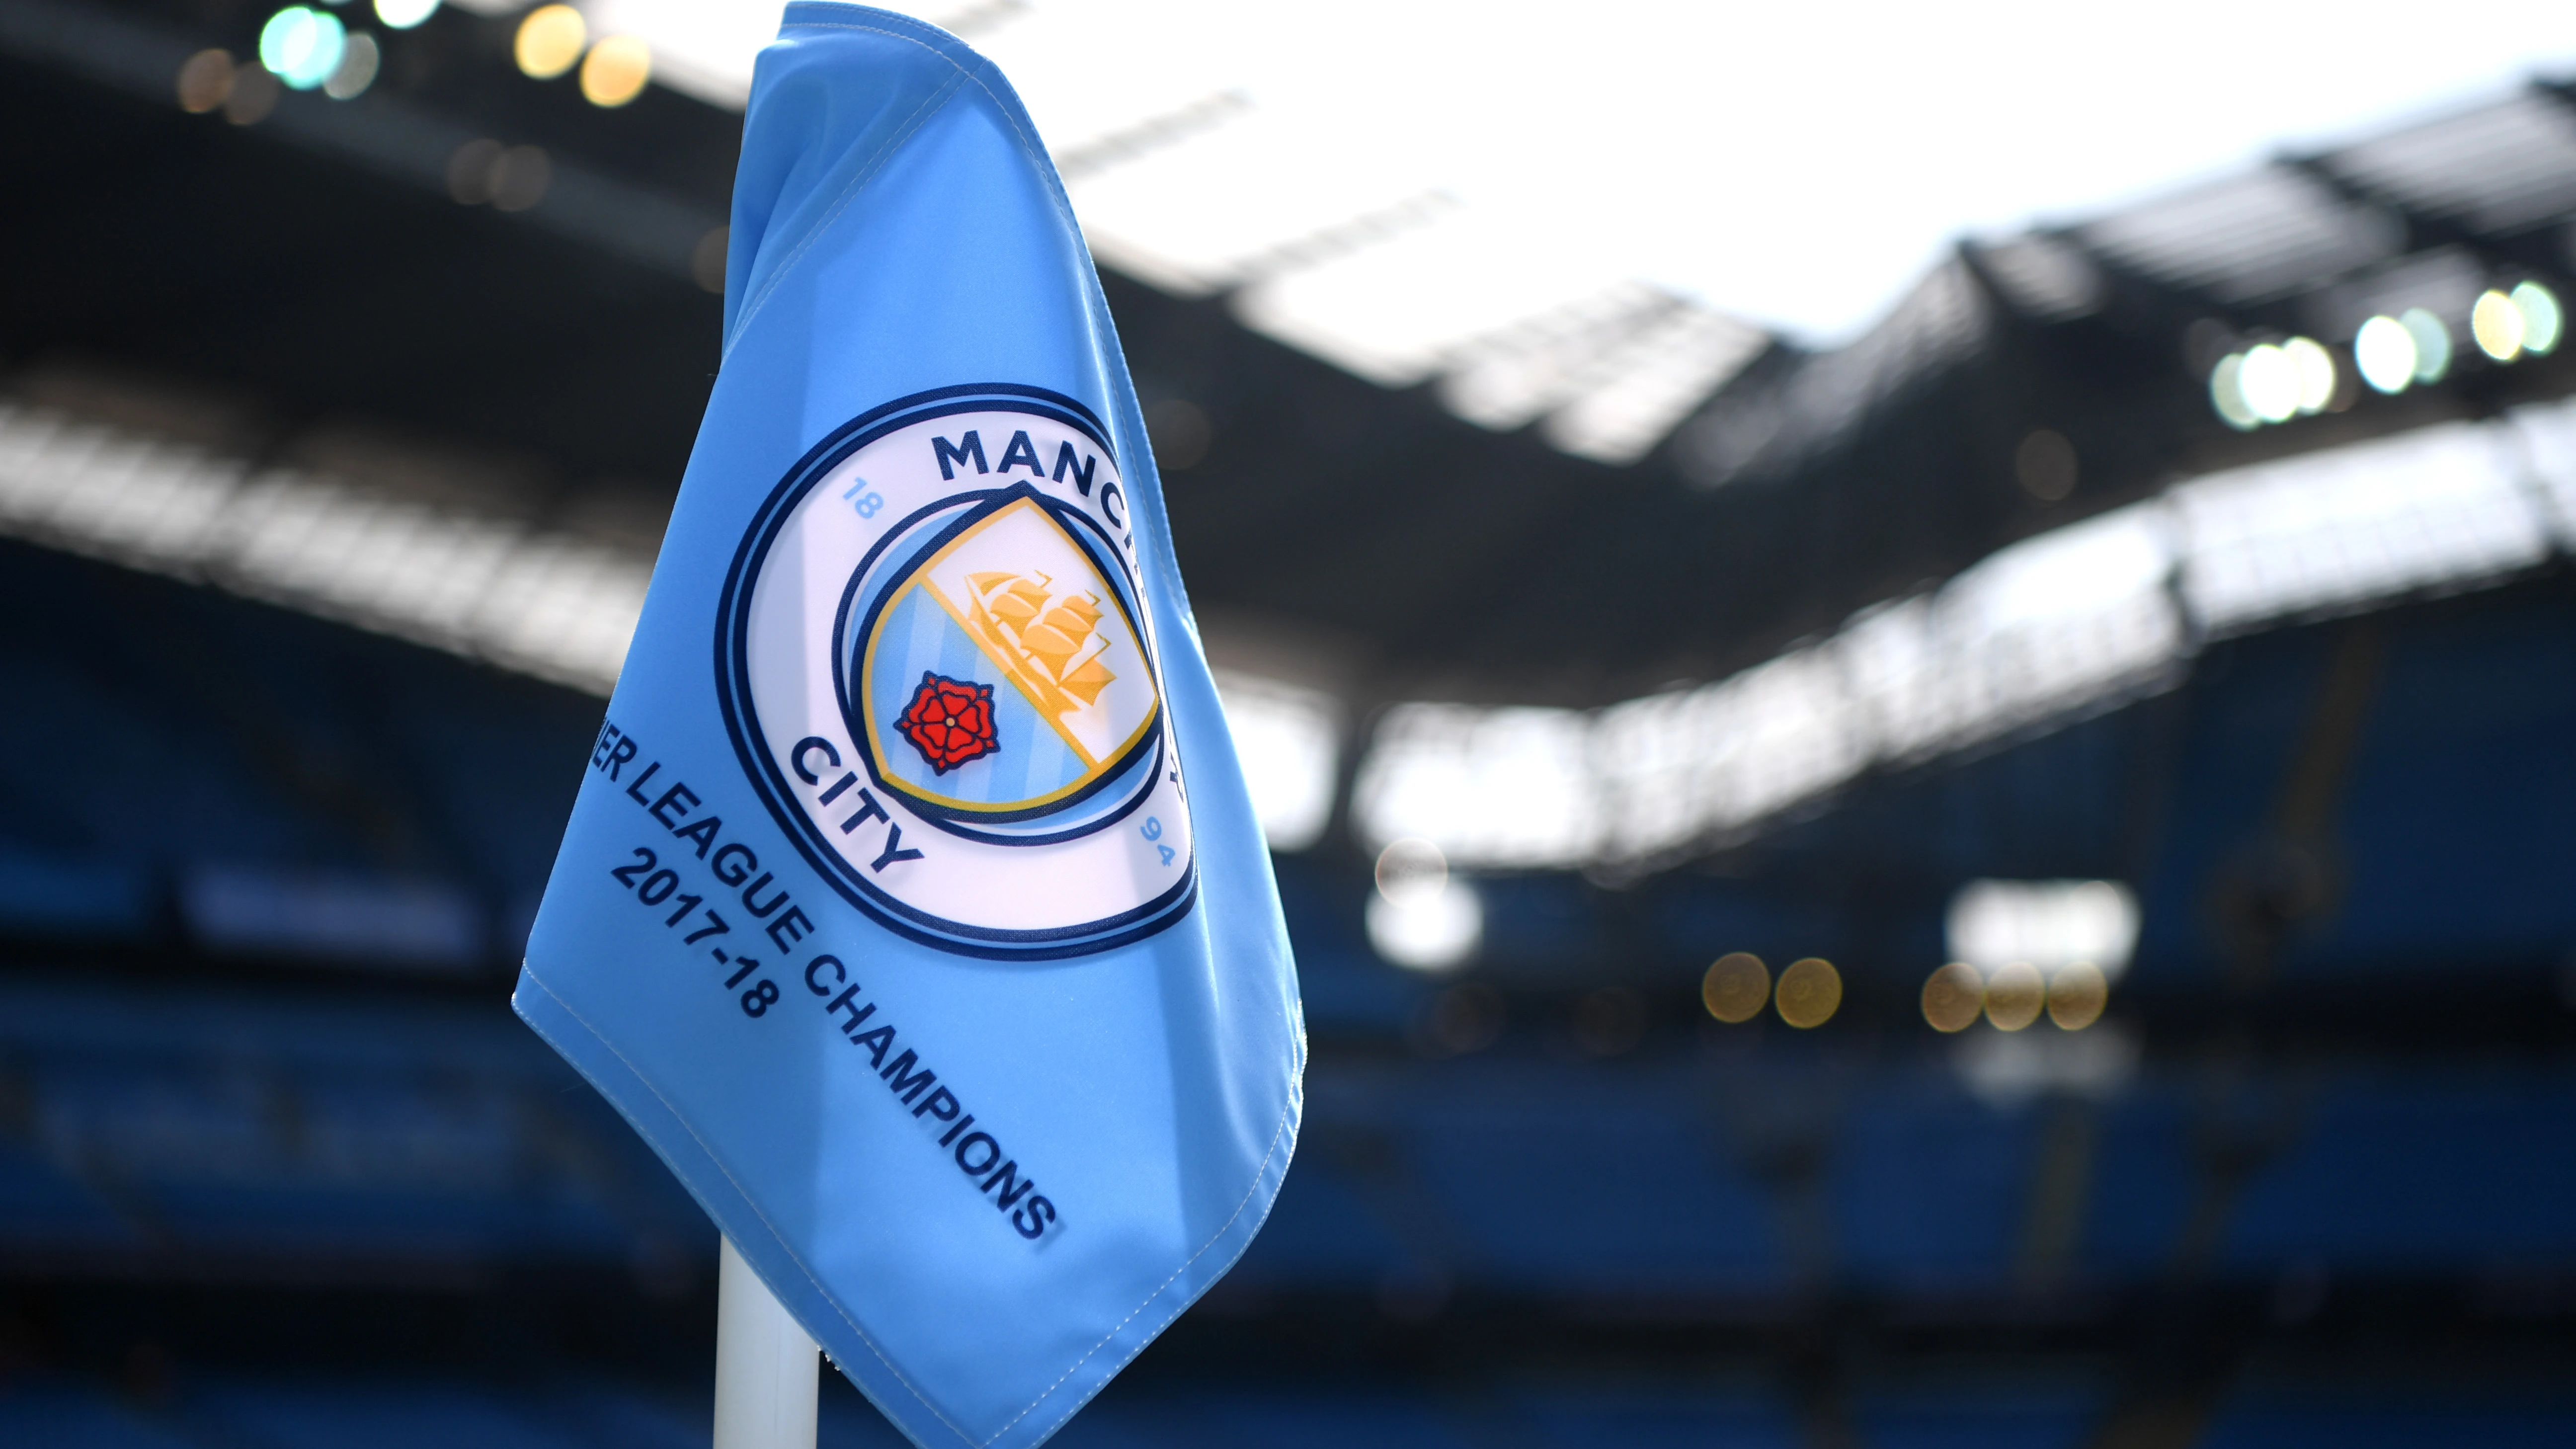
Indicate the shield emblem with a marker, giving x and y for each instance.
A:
(999, 676)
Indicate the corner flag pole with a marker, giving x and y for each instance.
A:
(765, 1365)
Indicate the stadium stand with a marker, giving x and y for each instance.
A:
(212, 1102)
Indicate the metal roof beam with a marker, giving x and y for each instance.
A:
(2531, 251)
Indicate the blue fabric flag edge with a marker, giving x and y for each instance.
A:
(793, 1283)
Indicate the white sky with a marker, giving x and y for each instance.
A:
(1800, 164)
(1795, 164)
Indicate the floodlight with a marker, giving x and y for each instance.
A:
(2432, 339)
(302, 47)
(616, 70)
(550, 40)
(2270, 383)
(2497, 325)
(2046, 924)
(1427, 930)
(2227, 393)
(2384, 351)
(356, 70)
(2316, 372)
(2542, 321)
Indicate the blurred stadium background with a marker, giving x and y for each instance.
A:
(2004, 877)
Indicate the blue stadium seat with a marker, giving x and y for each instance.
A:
(2361, 1417)
(2144, 1183)
(1644, 1418)
(1321, 1233)
(233, 1124)
(1278, 1420)
(83, 896)
(1980, 1416)
(2423, 1172)
(1930, 1187)
(1563, 1179)
(70, 1416)
(615, 1416)
(339, 1414)
(45, 1208)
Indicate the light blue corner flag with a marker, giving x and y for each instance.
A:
(913, 907)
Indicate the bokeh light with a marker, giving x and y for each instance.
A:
(1609, 1021)
(2048, 923)
(1736, 987)
(2015, 995)
(615, 70)
(508, 178)
(707, 267)
(2045, 464)
(1954, 997)
(550, 40)
(2315, 369)
(469, 171)
(1411, 870)
(254, 95)
(2496, 324)
(2227, 393)
(1462, 1019)
(520, 178)
(1810, 992)
(1433, 933)
(302, 47)
(1180, 431)
(2384, 351)
(205, 81)
(357, 69)
(2270, 384)
(2432, 339)
(404, 14)
(2542, 318)
(2077, 995)
(1420, 917)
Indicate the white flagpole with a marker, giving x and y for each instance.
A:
(765, 1365)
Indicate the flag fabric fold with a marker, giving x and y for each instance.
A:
(913, 906)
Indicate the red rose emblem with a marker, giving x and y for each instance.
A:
(950, 721)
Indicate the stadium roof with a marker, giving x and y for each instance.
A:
(1579, 225)
(2051, 629)
(369, 364)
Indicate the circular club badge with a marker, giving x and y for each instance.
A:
(936, 663)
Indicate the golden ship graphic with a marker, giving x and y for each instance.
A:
(1045, 640)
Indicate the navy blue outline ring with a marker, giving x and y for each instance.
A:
(741, 720)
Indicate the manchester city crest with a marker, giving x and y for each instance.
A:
(935, 661)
